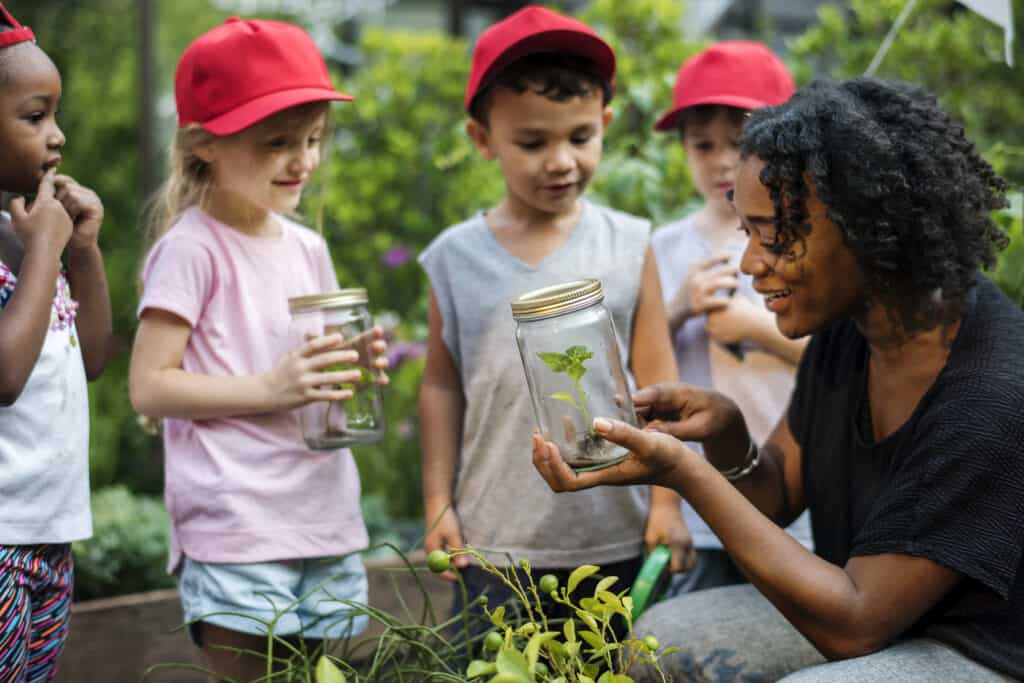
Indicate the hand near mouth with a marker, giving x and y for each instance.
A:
(85, 209)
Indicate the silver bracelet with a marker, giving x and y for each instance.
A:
(740, 471)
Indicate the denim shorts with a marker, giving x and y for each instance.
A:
(293, 597)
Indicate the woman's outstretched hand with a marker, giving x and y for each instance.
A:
(654, 458)
(673, 412)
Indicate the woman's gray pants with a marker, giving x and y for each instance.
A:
(734, 635)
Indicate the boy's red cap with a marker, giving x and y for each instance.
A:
(242, 71)
(735, 73)
(19, 34)
(530, 30)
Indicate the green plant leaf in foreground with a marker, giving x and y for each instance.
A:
(558, 362)
(512, 661)
(327, 672)
(478, 667)
(579, 574)
(564, 396)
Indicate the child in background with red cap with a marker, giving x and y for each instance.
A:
(52, 339)
(724, 337)
(537, 99)
(258, 520)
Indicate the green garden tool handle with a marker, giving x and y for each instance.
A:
(652, 580)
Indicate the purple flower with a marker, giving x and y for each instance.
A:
(396, 256)
(400, 352)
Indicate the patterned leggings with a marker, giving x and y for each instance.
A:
(35, 607)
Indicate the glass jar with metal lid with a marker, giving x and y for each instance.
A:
(327, 425)
(573, 368)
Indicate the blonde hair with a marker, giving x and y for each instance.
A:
(187, 184)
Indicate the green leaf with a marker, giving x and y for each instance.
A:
(556, 361)
(609, 677)
(533, 647)
(583, 678)
(594, 640)
(512, 662)
(327, 672)
(579, 574)
(576, 371)
(507, 677)
(498, 617)
(588, 619)
(578, 353)
(570, 631)
(605, 583)
(564, 396)
(478, 667)
(610, 599)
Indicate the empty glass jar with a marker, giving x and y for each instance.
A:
(327, 425)
(567, 344)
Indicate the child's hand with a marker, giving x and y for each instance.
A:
(701, 292)
(735, 322)
(445, 533)
(45, 224)
(379, 349)
(300, 377)
(84, 207)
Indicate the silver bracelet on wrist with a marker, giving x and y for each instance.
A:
(753, 460)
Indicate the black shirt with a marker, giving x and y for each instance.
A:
(948, 485)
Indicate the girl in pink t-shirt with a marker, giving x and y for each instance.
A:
(258, 520)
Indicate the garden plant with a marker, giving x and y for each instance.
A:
(519, 644)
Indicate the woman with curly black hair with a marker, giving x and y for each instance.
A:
(868, 215)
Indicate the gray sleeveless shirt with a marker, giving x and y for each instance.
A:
(502, 502)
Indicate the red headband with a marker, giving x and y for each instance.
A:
(19, 34)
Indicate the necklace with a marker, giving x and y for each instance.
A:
(65, 309)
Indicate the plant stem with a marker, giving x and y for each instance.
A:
(583, 407)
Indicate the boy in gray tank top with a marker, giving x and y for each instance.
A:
(538, 103)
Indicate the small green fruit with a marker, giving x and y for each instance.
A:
(439, 561)
(541, 669)
(548, 584)
(651, 643)
(493, 641)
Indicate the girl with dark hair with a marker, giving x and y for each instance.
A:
(55, 333)
(868, 220)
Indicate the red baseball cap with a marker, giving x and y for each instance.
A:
(18, 34)
(244, 70)
(735, 73)
(530, 30)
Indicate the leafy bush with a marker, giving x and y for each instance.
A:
(128, 550)
(1009, 270)
(521, 646)
(948, 49)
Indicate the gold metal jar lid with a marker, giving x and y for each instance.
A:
(343, 297)
(557, 299)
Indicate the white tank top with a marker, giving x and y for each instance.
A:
(44, 436)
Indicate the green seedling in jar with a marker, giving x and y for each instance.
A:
(571, 363)
(358, 414)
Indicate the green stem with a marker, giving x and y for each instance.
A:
(583, 407)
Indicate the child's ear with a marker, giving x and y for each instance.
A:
(606, 116)
(205, 151)
(481, 138)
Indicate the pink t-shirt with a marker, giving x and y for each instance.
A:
(246, 489)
